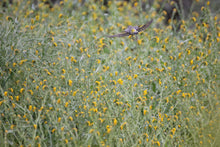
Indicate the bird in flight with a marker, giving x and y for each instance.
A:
(132, 30)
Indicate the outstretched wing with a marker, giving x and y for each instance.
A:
(119, 35)
(145, 26)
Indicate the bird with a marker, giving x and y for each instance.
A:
(132, 30)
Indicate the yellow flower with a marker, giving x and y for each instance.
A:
(152, 59)
(59, 119)
(158, 143)
(63, 71)
(1, 102)
(145, 111)
(91, 130)
(94, 15)
(55, 44)
(60, 15)
(135, 76)
(44, 87)
(21, 90)
(66, 104)
(179, 56)
(136, 4)
(122, 43)
(120, 81)
(208, 2)
(58, 101)
(22, 61)
(13, 105)
(139, 41)
(66, 141)
(122, 126)
(5, 93)
(32, 21)
(115, 121)
(70, 82)
(130, 78)
(30, 107)
(53, 130)
(191, 62)
(14, 64)
(178, 92)
(36, 137)
(35, 126)
(108, 128)
(37, 17)
(31, 92)
(202, 8)
(116, 73)
(188, 52)
(160, 81)
(74, 93)
(194, 19)
(7, 17)
(70, 118)
(157, 39)
(145, 92)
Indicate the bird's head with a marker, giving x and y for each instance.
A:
(134, 31)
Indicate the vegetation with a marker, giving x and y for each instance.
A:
(64, 83)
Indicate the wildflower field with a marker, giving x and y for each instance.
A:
(63, 82)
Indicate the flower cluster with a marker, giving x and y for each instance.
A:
(63, 83)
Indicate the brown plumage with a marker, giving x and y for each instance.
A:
(132, 30)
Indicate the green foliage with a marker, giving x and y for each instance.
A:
(63, 82)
